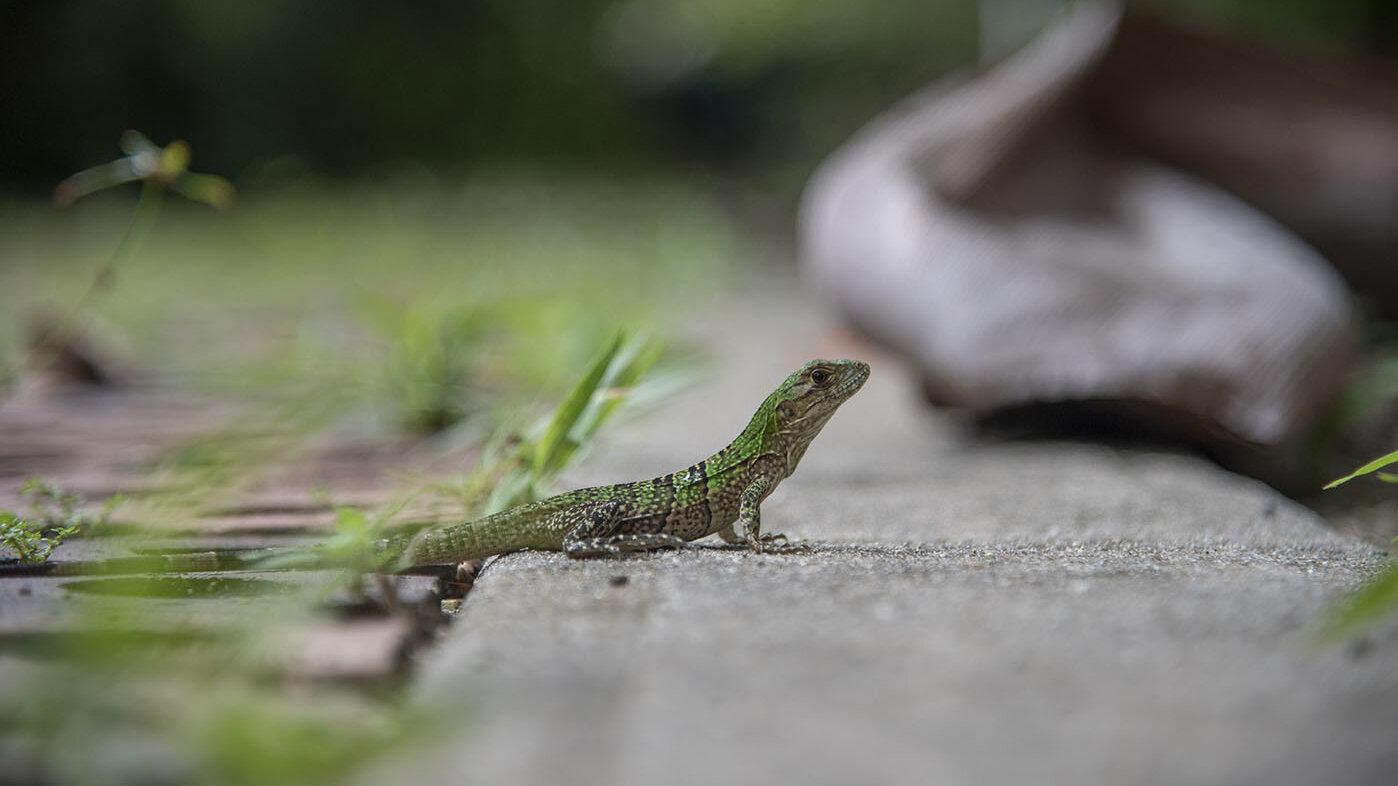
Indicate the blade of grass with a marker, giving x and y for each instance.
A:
(632, 362)
(1370, 604)
(550, 449)
(1377, 463)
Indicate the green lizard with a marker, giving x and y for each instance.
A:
(667, 511)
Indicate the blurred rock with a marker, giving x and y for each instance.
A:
(1023, 256)
(1311, 139)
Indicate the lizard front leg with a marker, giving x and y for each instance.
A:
(749, 524)
(593, 532)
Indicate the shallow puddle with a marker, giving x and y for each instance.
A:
(180, 587)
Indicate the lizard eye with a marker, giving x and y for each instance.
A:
(821, 377)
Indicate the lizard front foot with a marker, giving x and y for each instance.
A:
(774, 544)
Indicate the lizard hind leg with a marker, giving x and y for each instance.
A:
(593, 532)
(615, 544)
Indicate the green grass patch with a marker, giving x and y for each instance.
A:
(523, 315)
(1376, 601)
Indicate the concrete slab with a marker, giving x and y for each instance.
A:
(967, 614)
(958, 665)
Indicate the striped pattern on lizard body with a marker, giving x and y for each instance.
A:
(705, 499)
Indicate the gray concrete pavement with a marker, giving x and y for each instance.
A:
(966, 614)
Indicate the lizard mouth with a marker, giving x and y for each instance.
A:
(859, 374)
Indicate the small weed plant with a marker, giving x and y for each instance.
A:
(1377, 599)
(158, 170)
(55, 515)
(515, 468)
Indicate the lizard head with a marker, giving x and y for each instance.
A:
(807, 399)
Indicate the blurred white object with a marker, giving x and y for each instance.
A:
(986, 230)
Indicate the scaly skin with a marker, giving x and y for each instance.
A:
(666, 512)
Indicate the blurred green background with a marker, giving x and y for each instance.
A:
(262, 88)
(605, 158)
(445, 210)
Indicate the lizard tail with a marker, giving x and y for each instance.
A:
(437, 546)
(471, 540)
